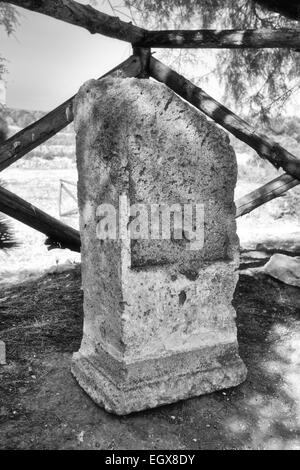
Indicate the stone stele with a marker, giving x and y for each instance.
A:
(159, 325)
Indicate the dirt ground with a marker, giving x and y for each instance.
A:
(42, 407)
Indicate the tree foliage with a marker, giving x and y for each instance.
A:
(259, 81)
(255, 81)
(3, 129)
(8, 20)
(288, 8)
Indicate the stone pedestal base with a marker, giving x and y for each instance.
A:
(179, 339)
(152, 383)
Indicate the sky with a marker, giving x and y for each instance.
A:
(48, 60)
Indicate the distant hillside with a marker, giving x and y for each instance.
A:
(20, 117)
(60, 149)
(57, 152)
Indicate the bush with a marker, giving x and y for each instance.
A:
(3, 129)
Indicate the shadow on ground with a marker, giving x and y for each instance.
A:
(42, 407)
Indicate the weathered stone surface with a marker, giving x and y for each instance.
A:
(285, 268)
(2, 353)
(159, 325)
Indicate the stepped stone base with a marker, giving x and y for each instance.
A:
(179, 336)
(125, 392)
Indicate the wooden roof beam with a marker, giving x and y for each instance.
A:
(265, 147)
(84, 16)
(95, 21)
(57, 232)
(223, 39)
